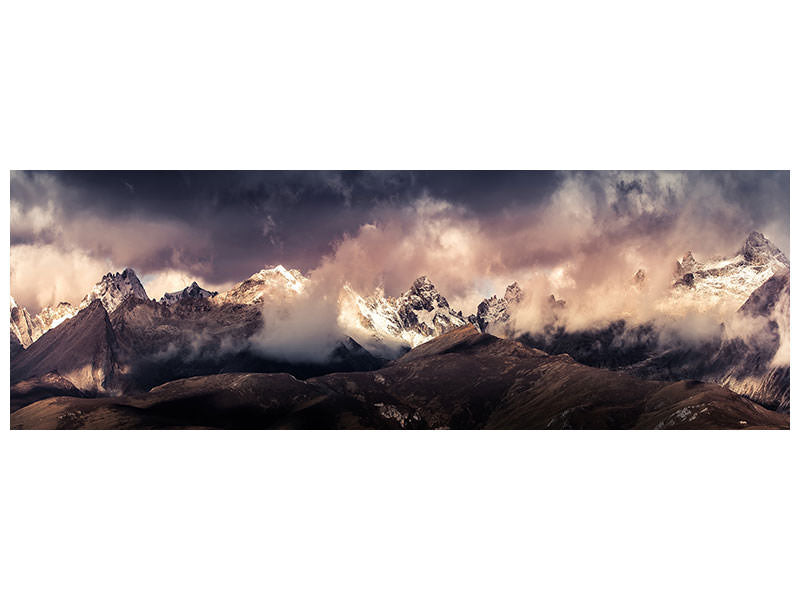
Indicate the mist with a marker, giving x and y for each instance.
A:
(580, 236)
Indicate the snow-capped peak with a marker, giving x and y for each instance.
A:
(294, 279)
(52, 316)
(273, 282)
(28, 329)
(724, 283)
(113, 288)
(384, 323)
(191, 291)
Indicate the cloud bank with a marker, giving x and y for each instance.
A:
(584, 244)
(579, 236)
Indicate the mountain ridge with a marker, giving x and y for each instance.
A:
(194, 331)
(463, 380)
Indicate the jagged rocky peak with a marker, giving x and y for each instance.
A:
(113, 288)
(192, 291)
(513, 293)
(687, 264)
(423, 308)
(196, 290)
(423, 295)
(495, 311)
(758, 249)
(490, 310)
(383, 324)
(422, 282)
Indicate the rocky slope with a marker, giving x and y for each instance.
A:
(82, 350)
(462, 379)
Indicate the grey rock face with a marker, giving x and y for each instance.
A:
(22, 329)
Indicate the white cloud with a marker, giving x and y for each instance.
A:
(46, 274)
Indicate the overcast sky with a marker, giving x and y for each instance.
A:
(469, 231)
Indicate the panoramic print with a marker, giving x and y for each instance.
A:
(399, 300)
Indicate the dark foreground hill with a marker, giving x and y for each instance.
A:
(462, 379)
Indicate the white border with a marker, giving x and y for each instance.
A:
(310, 85)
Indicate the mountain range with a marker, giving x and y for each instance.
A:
(118, 343)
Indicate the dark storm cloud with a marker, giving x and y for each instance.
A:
(247, 219)
(763, 195)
